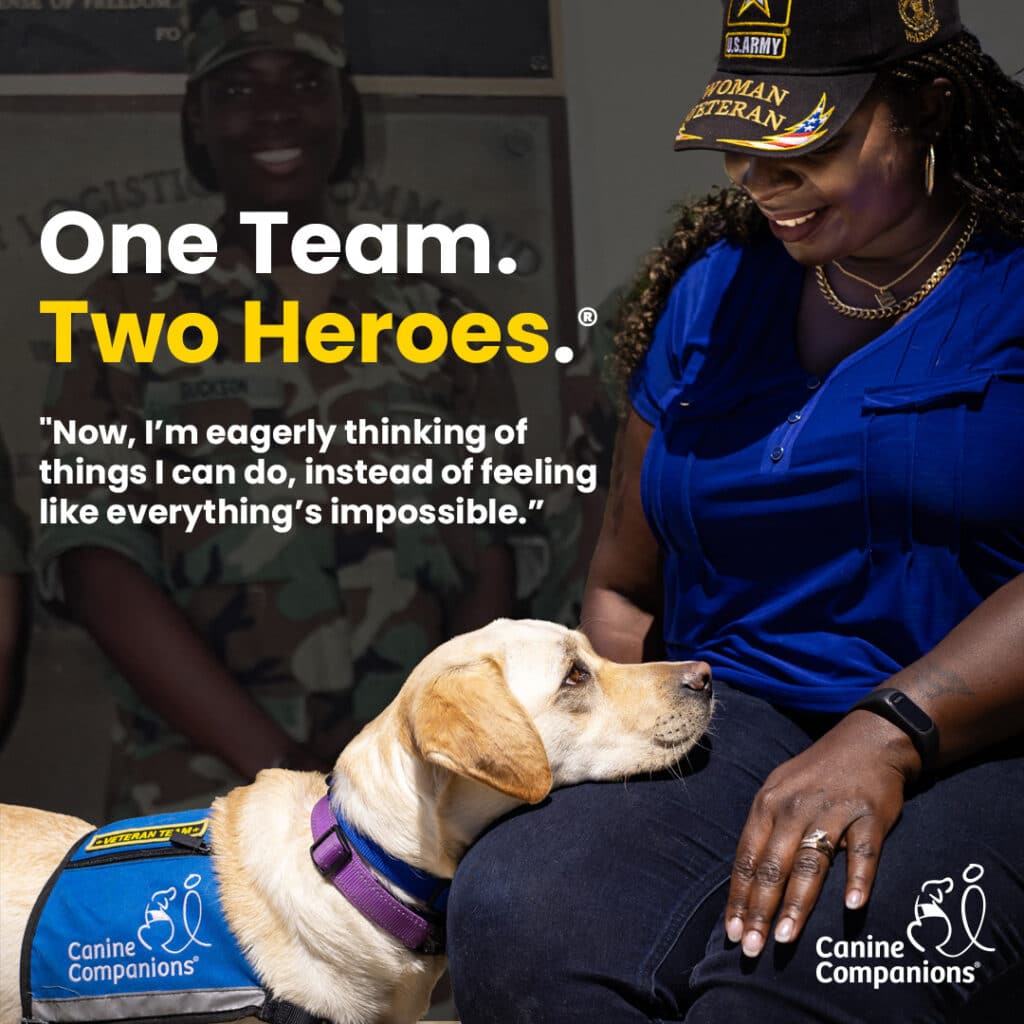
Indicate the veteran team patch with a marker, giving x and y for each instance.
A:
(129, 837)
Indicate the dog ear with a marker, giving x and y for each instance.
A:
(469, 722)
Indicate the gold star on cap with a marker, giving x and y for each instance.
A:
(761, 5)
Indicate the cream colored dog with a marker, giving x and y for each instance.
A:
(487, 721)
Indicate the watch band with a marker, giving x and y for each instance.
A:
(895, 706)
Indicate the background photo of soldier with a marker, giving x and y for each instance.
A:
(14, 598)
(552, 560)
(240, 647)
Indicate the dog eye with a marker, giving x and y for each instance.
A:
(578, 675)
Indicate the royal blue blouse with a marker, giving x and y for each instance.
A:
(820, 533)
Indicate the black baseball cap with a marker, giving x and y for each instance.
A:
(791, 72)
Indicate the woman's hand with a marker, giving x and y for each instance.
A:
(849, 784)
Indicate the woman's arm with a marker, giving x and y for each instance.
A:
(154, 646)
(623, 596)
(851, 782)
(972, 682)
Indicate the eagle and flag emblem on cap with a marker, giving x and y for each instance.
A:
(790, 73)
(811, 128)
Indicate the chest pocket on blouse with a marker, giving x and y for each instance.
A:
(692, 426)
(915, 459)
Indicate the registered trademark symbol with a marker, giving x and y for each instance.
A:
(587, 316)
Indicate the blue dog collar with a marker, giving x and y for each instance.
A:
(426, 888)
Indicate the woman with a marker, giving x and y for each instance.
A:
(818, 491)
(241, 645)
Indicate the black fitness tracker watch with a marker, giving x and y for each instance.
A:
(896, 707)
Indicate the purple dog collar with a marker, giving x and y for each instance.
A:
(336, 861)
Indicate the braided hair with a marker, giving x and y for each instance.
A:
(985, 162)
(986, 159)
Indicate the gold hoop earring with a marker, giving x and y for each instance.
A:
(929, 170)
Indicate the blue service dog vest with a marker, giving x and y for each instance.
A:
(130, 927)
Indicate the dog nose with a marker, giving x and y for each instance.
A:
(697, 677)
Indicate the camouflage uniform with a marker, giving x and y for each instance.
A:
(553, 560)
(320, 625)
(297, 617)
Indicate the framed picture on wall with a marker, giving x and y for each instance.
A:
(406, 46)
(497, 161)
(500, 162)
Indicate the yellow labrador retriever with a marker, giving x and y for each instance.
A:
(485, 722)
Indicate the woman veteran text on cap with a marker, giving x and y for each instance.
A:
(790, 72)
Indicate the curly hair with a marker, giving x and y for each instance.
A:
(985, 163)
(726, 213)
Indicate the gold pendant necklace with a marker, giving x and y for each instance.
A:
(883, 292)
(888, 306)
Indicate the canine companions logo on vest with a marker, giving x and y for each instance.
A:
(877, 962)
(130, 927)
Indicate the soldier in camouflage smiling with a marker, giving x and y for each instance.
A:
(240, 647)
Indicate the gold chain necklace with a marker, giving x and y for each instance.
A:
(883, 292)
(899, 308)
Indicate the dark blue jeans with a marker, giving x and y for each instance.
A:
(605, 903)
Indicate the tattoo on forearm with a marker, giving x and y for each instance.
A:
(934, 683)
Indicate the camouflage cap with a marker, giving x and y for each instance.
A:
(219, 31)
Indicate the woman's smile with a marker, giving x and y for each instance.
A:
(272, 123)
(280, 161)
(797, 226)
(859, 196)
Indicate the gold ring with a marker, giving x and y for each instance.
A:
(819, 840)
